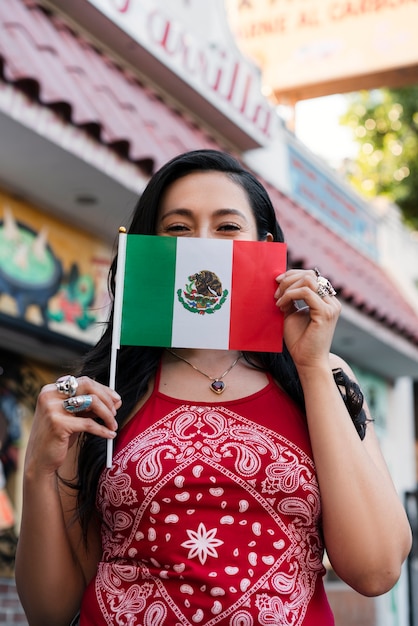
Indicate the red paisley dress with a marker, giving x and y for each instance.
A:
(211, 517)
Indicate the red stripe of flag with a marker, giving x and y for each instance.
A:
(256, 322)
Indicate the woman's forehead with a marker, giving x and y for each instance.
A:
(206, 187)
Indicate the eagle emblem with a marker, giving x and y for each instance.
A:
(203, 293)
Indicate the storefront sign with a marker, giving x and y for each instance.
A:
(337, 207)
(308, 48)
(207, 61)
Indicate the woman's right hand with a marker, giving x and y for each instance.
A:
(55, 429)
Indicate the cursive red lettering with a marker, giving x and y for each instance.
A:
(122, 6)
(162, 33)
(221, 73)
(234, 77)
(262, 113)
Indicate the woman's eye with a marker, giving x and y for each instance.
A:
(229, 227)
(176, 228)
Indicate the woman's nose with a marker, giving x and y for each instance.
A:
(204, 232)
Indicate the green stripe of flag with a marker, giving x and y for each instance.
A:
(148, 290)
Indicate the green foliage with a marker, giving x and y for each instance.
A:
(385, 125)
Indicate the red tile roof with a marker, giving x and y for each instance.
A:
(41, 54)
(357, 278)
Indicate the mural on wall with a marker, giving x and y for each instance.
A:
(20, 381)
(75, 297)
(51, 275)
(10, 433)
(29, 271)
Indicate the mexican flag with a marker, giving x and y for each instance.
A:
(186, 292)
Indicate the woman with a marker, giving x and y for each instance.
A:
(216, 510)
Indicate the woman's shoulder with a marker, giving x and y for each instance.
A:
(337, 362)
(351, 393)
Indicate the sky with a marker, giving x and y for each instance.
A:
(317, 126)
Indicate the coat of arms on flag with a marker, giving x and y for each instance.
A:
(203, 293)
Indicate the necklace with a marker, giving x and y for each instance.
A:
(217, 385)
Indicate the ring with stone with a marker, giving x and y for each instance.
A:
(67, 385)
(324, 286)
(76, 404)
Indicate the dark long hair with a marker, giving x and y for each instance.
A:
(137, 365)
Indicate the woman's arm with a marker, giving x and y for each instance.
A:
(366, 531)
(53, 565)
(367, 535)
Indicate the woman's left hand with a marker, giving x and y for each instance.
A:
(308, 331)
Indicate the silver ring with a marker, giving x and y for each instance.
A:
(324, 286)
(67, 385)
(76, 404)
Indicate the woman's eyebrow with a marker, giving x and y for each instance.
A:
(185, 212)
(237, 212)
(217, 212)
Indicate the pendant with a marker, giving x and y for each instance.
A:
(217, 386)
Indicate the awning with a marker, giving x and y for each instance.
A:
(41, 55)
(44, 57)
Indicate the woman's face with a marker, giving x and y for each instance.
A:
(206, 205)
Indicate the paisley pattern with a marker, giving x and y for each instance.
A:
(210, 518)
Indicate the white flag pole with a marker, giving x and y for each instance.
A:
(117, 322)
